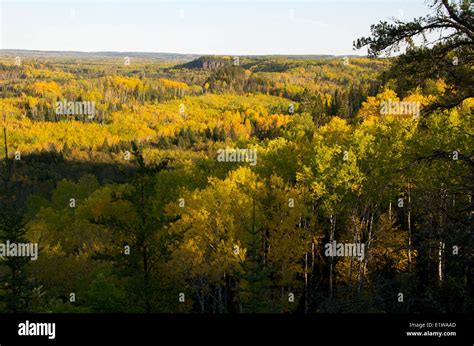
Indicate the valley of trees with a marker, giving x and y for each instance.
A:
(133, 213)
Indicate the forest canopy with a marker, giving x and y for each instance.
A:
(359, 198)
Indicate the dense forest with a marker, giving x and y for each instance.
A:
(133, 211)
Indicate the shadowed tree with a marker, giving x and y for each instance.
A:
(438, 45)
(15, 287)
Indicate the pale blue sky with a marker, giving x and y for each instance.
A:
(233, 27)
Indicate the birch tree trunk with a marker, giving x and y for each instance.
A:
(332, 219)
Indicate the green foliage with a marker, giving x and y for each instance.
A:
(156, 215)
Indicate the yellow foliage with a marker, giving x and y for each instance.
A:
(173, 84)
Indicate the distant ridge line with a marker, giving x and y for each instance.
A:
(158, 55)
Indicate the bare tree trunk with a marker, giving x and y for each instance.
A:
(409, 229)
(220, 303)
(146, 280)
(306, 283)
(201, 297)
(332, 220)
(5, 140)
(363, 263)
(440, 248)
(356, 231)
(440, 260)
(390, 206)
(6, 173)
(367, 248)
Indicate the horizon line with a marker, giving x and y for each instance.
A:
(184, 54)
